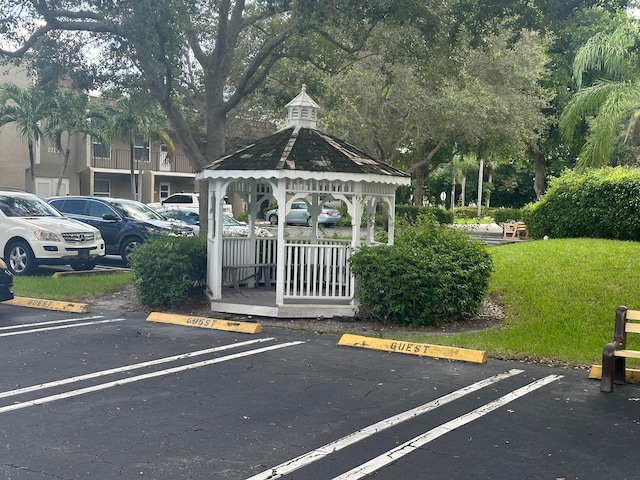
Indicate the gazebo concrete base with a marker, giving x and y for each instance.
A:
(261, 303)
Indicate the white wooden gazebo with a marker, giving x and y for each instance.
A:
(293, 276)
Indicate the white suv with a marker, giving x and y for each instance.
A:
(187, 200)
(34, 233)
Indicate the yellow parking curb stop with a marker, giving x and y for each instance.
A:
(49, 304)
(204, 322)
(632, 375)
(419, 349)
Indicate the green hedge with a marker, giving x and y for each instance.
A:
(432, 274)
(503, 215)
(599, 203)
(166, 269)
(412, 212)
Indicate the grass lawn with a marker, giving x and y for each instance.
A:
(71, 288)
(560, 298)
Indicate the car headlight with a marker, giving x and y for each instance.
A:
(46, 236)
(98, 235)
(2, 264)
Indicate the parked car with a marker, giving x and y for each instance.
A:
(33, 233)
(230, 227)
(186, 200)
(123, 223)
(188, 215)
(233, 228)
(299, 215)
(6, 282)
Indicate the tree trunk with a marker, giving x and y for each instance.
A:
(463, 186)
(490, 182)
(216, 129)
(539, 182)
(67, 153)
(131, 166)
(32, 166)
(453, 191)
(418, 191)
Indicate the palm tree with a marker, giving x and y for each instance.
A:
(610, 100)
(27, 108)
(74, 113)
(131, 118)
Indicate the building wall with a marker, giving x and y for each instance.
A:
(81, 176)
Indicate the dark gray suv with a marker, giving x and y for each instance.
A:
(123, 223)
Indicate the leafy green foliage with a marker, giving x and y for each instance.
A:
(411, 213)
(166, 269)
(431, 275)
(602, 203)
(505, 214)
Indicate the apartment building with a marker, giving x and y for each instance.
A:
(92, 168)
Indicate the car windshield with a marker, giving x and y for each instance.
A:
(135, 210)
(231, 222)
(19, 206)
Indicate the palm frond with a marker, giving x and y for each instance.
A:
(609, 53)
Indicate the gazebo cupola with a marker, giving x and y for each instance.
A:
(302, 110)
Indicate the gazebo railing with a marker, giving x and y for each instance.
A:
(321, 271)
(236, 251)
(318, 271)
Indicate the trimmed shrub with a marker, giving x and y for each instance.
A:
(503, 215)
(469, 212)
(166, 269)
(599, 203)
(412, 212)
(433, 274)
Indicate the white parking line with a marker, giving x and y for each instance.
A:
(337, 445)
(51, 322)
(128, 368)
(124, 381)
(409, 447)
(59, 327)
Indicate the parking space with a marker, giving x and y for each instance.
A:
(101, 396)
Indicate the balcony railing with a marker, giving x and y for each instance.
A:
(119, 160)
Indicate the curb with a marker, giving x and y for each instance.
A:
(89, 272)
(204, 322)
(631, 374)
(418, 349)
(49, 304)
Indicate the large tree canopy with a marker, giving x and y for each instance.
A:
(199, 59)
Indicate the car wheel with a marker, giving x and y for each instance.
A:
(78, 267)
(308, 222)
(273, 219)
(128, 246)
(21, 259)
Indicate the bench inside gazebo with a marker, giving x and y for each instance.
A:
(302, 275)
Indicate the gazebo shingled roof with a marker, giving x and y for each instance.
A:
(304, 149)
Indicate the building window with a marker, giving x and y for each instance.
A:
(102, 187)
(100, 150)
(165, 191)
(141, 149)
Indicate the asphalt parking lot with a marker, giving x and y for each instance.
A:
(110, 395)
